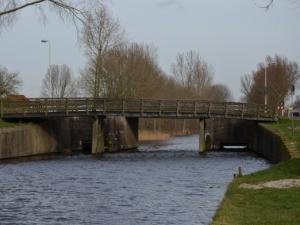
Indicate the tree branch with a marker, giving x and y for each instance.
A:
(267, 6)
(21, 7)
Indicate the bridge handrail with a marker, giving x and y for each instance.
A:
(132, 105)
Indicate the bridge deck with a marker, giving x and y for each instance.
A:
(42, 107)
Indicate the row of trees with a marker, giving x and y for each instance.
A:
(132, 71)
(9, 82)
(118, 68)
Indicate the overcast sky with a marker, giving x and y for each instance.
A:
(232, 36)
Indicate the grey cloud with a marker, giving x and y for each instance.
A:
(169, 3)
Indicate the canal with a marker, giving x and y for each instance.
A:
(162, 183)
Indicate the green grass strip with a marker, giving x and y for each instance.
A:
(266, 206)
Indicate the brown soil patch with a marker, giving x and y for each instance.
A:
(278, 184)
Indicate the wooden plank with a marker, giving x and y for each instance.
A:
(141, 107)
(209, 110)
(104, 106)
(162, 108)
(243, 110)
(66, 107)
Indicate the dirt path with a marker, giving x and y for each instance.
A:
(278, 184)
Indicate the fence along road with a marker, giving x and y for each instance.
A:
(146, 108)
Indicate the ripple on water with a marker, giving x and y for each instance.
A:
(162, 183)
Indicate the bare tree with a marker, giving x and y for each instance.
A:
(266, 4)
(59, 83)
(281, 75)
(74, 10)
(247, 85)
(87, 80)
(9, 82)
(131, 70)
(192, 72)
(100, 34)
(219, 92)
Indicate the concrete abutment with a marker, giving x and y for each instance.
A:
(121, 133)
(203, 145)
(257, 137)
(98, 136)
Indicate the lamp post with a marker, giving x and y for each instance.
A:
(292, 108)
(266, 85)
(44, 41)
(266, 79)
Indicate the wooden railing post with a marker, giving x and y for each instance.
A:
(87, 106)
(141, 107)
(1, 108)
(66, 106)
(195, 108)
(123, 107)
(177, 108)
(22, 107)
(243, 110)
(160, 105)
(94, 104)
(104, 106)
(46, 107)
(226, 110)
(209, 109)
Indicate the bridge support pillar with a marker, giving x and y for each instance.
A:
(202, 140)
(98, 136)
(130, 137)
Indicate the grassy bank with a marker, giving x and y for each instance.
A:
(291, 138)
(4, 124)
(266, 206)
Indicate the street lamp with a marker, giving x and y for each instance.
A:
(266, 97)
(44, 41)
(266, 80)
(292, 108)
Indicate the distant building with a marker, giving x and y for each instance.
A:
(16, 98)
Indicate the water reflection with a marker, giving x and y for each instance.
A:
(162, 183)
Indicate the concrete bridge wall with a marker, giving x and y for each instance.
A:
(258, 138)
(36, 138)
(27, 140)
(269, 145)
(119, 133)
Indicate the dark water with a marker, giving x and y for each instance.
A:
(166, 183)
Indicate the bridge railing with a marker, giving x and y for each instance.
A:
(142, 107)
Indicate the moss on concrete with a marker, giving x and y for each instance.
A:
(291, 139)
(26, 140)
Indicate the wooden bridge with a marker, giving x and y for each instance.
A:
(147, 108)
